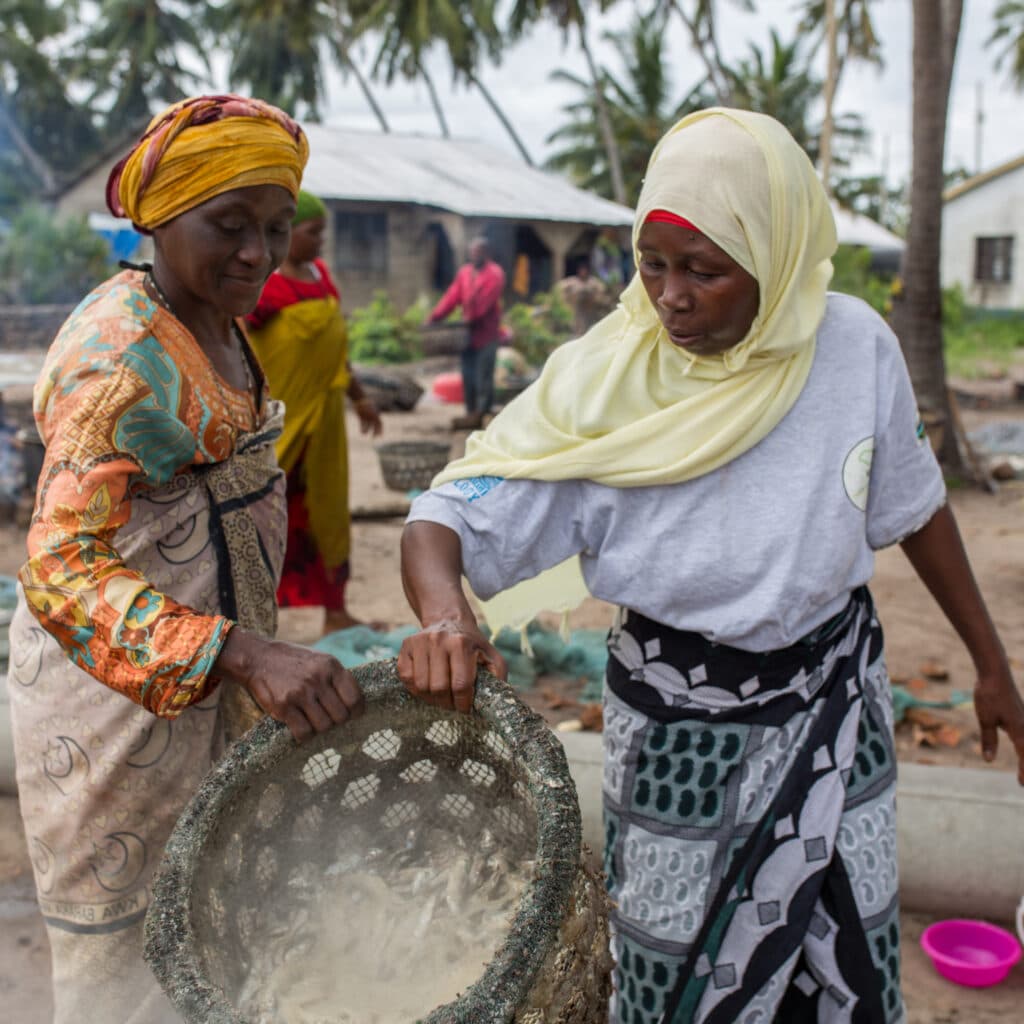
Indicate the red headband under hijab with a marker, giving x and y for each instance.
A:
(667, 217)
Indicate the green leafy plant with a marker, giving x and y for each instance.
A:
(853, 275)
(44, 259)
(379, 333)
(539, 327)
(979, 342)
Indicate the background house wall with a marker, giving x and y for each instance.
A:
(990, 206)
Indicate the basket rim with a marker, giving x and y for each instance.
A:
(171, 945)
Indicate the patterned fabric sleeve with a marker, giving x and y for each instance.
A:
(107, 427)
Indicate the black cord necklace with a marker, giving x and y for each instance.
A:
(150, 279)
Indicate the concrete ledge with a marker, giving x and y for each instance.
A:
(960, 832)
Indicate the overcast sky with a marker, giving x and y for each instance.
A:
(532, 101)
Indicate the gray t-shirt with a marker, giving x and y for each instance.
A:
(754, 554)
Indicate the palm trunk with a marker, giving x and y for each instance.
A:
(917, 316)
(611, 147)
(501, 116)
(346, 37)
(707, 49)
(435, 101)
(37, 165)
(831, 80)
(367, 93)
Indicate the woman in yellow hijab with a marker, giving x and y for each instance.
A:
(155, 545)
(301, 338)
(719, 458)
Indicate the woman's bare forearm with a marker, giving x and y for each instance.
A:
(432, 574)
(937, 554)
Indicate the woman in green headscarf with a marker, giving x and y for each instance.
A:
(720, 457)
(299, 333)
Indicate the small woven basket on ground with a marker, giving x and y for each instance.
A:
(273, 815)
(411, 465)
(447, 338)
(390, 391)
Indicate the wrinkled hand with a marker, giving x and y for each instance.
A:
(307, 690)
(369, 417)
(998, 705)
(439, 664)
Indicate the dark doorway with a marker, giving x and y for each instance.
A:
(443, 272)
(540, 272)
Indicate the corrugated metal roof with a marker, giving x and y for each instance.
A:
(470, 178)
(856, 229)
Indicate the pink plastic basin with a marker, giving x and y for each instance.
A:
(448, 387)
(972, 953)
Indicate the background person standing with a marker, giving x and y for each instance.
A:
(477, 289)
(301, 338)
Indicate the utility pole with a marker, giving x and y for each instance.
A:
(979, 123)
(883, 181)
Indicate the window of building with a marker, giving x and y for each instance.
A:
(360, 241)
(993, 259)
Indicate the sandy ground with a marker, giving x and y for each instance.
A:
(917, 638)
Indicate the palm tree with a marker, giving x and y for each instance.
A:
(1009, 30)
(701, 24)
(408, 29)
(45, 129)
(132, 56)
(640, 106)
(917, 316)
(781, 83)
(275, 49)
(847, 32)
(572, 14)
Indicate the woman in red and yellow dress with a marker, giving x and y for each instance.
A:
(300, 335)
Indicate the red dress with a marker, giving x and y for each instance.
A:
(305, 579)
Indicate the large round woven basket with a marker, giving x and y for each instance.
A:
(411, 465)
(274, 814)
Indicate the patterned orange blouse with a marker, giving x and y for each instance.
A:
(126, 400)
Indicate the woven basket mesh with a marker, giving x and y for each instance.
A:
(272, 808)
(447, 338)
(409, 465)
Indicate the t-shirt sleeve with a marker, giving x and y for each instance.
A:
(907, 487)
(510, 530)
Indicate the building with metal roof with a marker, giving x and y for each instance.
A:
(404, 207)
(982, 227)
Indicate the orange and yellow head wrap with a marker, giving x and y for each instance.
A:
(201, 147)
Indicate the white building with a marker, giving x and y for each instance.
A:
(982, 234)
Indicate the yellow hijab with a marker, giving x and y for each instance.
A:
(201, 147)
(622, 405)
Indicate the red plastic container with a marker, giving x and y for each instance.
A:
(448, 387)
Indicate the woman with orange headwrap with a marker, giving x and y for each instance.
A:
(156, 543)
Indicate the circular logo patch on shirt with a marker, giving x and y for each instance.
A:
(857, 472)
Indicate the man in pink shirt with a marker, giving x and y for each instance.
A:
(477, 290)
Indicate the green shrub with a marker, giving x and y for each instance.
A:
(539, 327)
(378, 333)
(44, 259)
(977, 341)
(853, 275)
